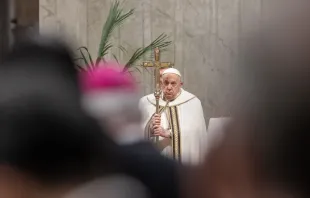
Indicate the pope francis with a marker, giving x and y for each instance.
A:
(180, 124)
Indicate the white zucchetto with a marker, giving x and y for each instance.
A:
(172, 71)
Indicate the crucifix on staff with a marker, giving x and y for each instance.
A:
(157, 65)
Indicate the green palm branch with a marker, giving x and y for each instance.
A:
(160, 42)
(115, 18)
(86, 57)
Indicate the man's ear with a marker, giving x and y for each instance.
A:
(181, 83)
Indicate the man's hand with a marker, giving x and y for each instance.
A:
(160, 131)
(156, 120)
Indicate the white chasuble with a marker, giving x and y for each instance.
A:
(184, 118)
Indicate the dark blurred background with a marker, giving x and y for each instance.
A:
(16, 16)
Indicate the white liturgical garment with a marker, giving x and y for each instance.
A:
(184, 118)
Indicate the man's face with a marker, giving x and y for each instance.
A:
(171, 86)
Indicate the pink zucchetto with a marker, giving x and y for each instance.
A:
(111, 96)
(107, 77)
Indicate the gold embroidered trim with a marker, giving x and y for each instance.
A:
(168, 115)
(176, 136)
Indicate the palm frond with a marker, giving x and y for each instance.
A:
(160, 42)
(88, 54)
(80, 68)
(148, 71)
(77, 59)
(130, 73)
(123, 49)
(98, 61)
(115, 58)
(84, 58)
(142, 68)
(115, 18)
(136, 69)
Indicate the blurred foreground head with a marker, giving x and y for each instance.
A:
(265, 150)
(111, 97)
(47, 142)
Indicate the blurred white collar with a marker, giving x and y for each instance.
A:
(130, 134)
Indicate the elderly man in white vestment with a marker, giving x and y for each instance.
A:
(180, 124)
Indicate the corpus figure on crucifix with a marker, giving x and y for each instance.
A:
(172, 117)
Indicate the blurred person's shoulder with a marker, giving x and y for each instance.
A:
(116, 186)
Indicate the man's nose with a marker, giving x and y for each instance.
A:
(169, 86)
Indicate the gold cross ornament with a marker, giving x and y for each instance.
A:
(157, 65)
